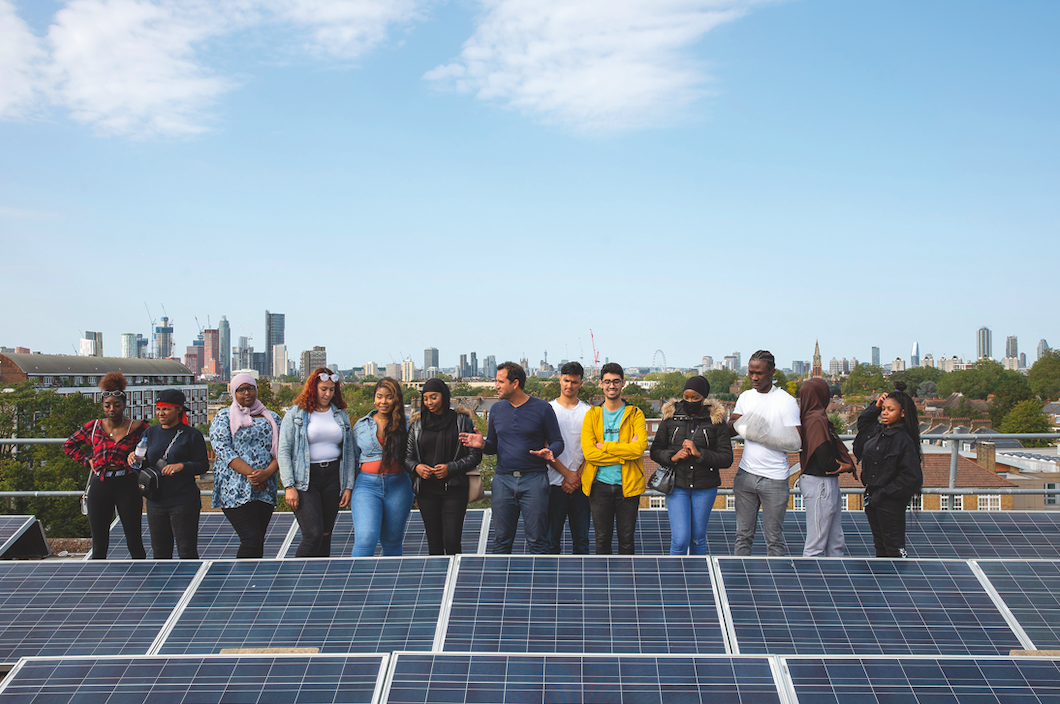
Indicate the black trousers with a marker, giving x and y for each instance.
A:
(174, 523)
(121, 493)
(443, 514)
(887, 520)
(612, 510)
(318, 507)
(250, 521)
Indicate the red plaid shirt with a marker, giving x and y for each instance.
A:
(106, 452)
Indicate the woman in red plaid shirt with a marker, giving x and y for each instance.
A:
(112, 483)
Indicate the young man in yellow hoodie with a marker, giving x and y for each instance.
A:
(614, 438)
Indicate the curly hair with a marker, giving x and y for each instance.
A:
(307, 399)
(113, 381)
(394, 431)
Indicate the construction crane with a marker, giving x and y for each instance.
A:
(198, 323)
(596, 355)
(150, 317)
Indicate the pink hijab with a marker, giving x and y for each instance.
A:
(241, 417)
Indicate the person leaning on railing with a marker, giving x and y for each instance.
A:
(112, 483)
(245, 440)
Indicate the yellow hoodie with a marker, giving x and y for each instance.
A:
(625, 451)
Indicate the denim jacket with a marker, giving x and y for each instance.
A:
(294, 449)
(366, 447)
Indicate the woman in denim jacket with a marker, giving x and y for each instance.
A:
(382, 491)
(316, 457)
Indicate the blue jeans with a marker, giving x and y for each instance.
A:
(562, 505)
(380, 504)
(689, 512)
(527, 494)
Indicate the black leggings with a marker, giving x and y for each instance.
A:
(318, 507)
(443, 513)
(179, 523)
(250, 521)
(122, 493)
(887, 520)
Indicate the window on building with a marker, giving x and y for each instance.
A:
(844, 502)
(798, 502)
(990, 502)
(730, 502)
(1052, 499)
(656, 502)
(951, 503)
(917, 503)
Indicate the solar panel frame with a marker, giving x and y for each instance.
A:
(340, 605)
(921, 678)
(582, 677)
(217, 539)
(896, 607)
(297, 678)
(1030, 591)
(413, 545)
(88, 608)
(545, 604)
(11, 529)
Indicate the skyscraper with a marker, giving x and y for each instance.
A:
(95, 346)
(279, 360)
(129, 349)
(875, 356)
(461, 368)
(430, 358)
(1012, 346)
(983, 343)
(274, 335)
(1043, 348)
(163, 344)
(914, 356)
(211, 358)
(408, 370)
(313, 359)
(489, 369)
(474, 363)
(224, 336)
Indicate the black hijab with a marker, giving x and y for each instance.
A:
(439, 440)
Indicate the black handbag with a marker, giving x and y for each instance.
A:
(150, 478)
(663, 480)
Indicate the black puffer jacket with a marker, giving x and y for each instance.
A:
(890, 463)
(466, 459)
(709, 432)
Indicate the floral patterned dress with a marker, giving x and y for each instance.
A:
(253, 445)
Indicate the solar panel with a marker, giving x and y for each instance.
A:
(217, 538)
(550, 604)
(87, 608)
(11, 527)
(363, 605)
(861, 607)
(351, 679)
(983, 534)
(926, 680)
(1031, 591)
(415, 543)
(477, 677)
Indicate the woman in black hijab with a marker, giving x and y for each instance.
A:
(438, 463)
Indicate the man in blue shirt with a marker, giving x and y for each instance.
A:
(524, 434)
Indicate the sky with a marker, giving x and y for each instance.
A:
(692, 176)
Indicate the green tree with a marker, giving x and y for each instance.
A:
(838, 423)
(633, 389)
(977, 382)
(1028, 417)
(1044, 376)
(266, 396)
(286, 396)
(720, 380)
(1011, 389)
(915, 376)
(463, 389)
(927, 389)
(865, 380)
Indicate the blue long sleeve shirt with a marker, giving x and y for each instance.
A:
(513, 431)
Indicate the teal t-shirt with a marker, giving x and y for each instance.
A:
(612, 473)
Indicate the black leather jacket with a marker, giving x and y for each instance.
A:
(708, 431)
(466, 459)
(890, 463)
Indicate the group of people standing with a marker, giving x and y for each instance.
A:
(558, 463)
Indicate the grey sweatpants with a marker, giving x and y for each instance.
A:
(824, 524)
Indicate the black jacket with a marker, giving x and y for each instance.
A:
(466, 459)
(709, 432)
(189, 448)
(890, 462)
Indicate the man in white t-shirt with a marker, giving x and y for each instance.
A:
(762, 479)
(566, 501)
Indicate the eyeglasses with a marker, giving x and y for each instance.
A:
(328, 377)
(117, 394)
(611, 382)
(246, 389)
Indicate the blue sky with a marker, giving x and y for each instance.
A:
(693, 176)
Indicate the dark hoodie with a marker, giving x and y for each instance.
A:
(822, 451)
(708, 430)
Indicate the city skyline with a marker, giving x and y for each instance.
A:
(548, 177)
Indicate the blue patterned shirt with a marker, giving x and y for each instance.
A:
(253, 445)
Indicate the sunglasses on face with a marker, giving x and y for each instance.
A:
(328, 377)
(116, 394)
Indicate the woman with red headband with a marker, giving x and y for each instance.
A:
(178, 452)
(112, 484)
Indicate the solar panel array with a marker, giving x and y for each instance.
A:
(415, 541)
(545, 604)
(217, 538)
(204, 680)
(11, 527)
(1031, 591)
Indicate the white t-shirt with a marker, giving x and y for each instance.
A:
(570, 427)
(759, 459)
(325, 437)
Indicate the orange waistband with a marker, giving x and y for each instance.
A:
(378, 468)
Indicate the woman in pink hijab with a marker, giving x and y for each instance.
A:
(244, 438)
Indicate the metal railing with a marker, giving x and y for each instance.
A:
(954, 439)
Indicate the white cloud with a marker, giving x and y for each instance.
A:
(595, 65)
(20, 56)
(138, 67)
